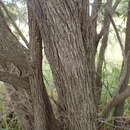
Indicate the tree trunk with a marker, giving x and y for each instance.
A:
(101, 59)
(69, 41)
(119, 109)
(14, 65)
(43, 114)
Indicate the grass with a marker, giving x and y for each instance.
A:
(8, 121)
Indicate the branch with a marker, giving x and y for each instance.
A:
(104, 28)
(115, 5)
(102, 32)
(14, 24)
(115, 101)
(118, 36)
(103, 47)
(7, 39)
(124, 94)
(17, 60)
(14, 80)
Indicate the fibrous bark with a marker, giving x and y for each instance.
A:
(44, 117)
(14, 67)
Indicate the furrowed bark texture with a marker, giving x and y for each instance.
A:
(14, 66)
(43, 115)
(20, 103)
(119, 109)
(69, 44)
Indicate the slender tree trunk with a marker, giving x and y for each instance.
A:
(44, 118)
(119, 109)
(103, 47)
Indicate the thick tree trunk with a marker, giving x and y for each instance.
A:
(14, 66)
(119, 109)
(69, 44)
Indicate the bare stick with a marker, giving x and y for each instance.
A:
(117, 33)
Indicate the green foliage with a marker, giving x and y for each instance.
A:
(7, 122)
(111, 73)
(122, 9)
(10, 123)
